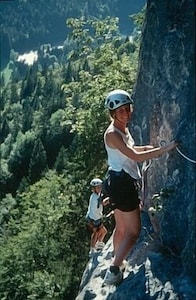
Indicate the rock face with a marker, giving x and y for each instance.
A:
(162, 264)
(152, 272)
(166, 87)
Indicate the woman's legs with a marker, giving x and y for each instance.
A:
(94, 237)
(101, 233)
(97, 235)
(127, 230)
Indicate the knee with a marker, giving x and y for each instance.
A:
(129, 234)
(120, 231)
(94, 230)
(133, 236)
(103, 230)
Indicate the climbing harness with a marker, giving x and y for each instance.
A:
(144, 190)
(109, 214)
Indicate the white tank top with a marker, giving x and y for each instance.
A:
(117, 161)
(94, 212)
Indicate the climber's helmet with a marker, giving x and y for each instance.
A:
(117, 98)
(96, 182)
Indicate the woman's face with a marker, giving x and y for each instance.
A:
(123, 113)
(97, 189)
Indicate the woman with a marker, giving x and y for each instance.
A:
(121, 181)
(94, 216)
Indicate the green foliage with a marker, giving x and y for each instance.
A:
(52, 147)
(37, 239)
(27, 24)
(139, 18)
(107, 69)
(158, 199)
(38, 162)
(20, 155)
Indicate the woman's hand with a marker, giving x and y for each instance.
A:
(171, 145)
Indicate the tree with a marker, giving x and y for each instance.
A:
(96, 42)
(28, 84)
(38, 162)
(61, 160)
(19, 158)
(47, 224)
(38, 260)
(14, 97)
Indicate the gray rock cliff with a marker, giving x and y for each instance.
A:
(162, 264)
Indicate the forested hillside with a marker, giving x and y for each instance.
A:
(26, 25)
(52, 125)
(162, 265)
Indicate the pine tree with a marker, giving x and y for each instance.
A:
(38, 162)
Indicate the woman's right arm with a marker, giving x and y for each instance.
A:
(114, 140)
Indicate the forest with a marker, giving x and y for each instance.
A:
(52, 124)
(26, 25)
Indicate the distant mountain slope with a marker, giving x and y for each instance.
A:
(27, 24)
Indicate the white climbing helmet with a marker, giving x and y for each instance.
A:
(117, 98)
(96, 182)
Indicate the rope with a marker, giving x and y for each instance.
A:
(146, 165)
(144, 189)
(186, 157)
(163, 142)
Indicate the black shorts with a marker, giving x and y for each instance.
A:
(91, 224)
(123, 190)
